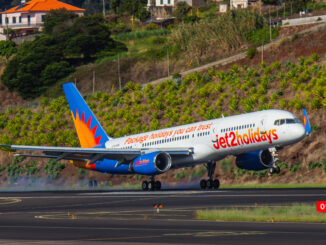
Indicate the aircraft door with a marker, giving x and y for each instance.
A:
(214, 132)
(263, 124)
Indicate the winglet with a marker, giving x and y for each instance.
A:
(306, 122)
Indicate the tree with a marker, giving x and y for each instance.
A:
(131, 7)
(4, 4)
(114, 5)
(55, 71)
(181, 11)
(40, 63)
(23, 71)
(15, 2)
(57, 19)
(89, 35)
(7, 49)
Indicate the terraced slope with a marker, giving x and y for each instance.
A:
(289, 86)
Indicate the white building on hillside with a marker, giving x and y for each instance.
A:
(29, 16)
(238, 4)
(164, 8)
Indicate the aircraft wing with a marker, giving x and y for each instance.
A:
(90, 154)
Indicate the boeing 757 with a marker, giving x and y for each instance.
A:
(253, 138)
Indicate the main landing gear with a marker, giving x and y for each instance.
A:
(274, 169)
(210, 183)
(151, 185)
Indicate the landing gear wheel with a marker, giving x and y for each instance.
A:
(144, 185)
(216, 184)
(274, 170)
(158, 185)
(203, 184)
(209, 184)
(151, 185)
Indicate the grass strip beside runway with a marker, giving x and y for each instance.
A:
(272, 186)
(293, 213)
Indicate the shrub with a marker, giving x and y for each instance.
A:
(282, 103)
(215, 36)
(315, 57)
(155, 53)
(276, 65)
(157, 40)
(53, 168)
(316, 103)
(82, 172)
(294, 168)
(180, 175)
(315, 128)
(313, 165)
(226, 165)
(151, 26)
(251, 52)
(31, 168)
(282, 165)
(197, 173)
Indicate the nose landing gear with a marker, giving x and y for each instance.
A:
(210, 183)
(274, 169)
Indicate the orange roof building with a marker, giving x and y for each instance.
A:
(30, 15)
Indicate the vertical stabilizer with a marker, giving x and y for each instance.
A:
(306, 122)
(89, 130)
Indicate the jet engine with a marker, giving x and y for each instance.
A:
(152, 163)
(256, 160)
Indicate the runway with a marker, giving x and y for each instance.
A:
(128, 217)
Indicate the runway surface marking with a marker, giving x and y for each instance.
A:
(150, 192)
(9, 200)
(178, 194)
(144, 214)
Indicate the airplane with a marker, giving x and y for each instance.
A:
(253, 138)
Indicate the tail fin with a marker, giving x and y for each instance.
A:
(306, 122)
(89, 130)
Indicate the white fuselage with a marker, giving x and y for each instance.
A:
(215, 139)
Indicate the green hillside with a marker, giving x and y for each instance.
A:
(200, 96)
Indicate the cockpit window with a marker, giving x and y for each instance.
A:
(286, 121)
(290, 121)
(297, 120)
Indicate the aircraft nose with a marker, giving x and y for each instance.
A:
(300, 131)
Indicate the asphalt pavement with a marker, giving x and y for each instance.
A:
(129, 217)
